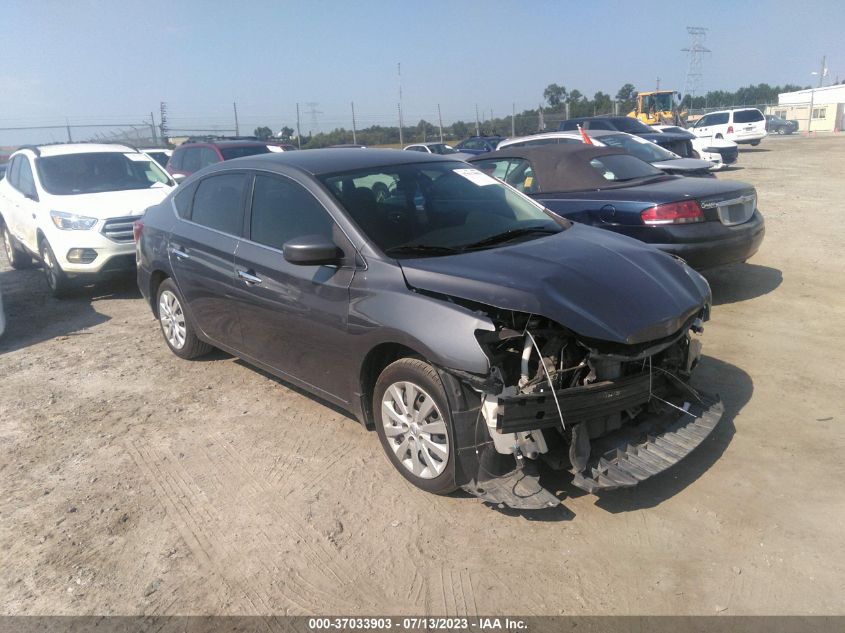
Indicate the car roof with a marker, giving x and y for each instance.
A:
(731, 110)
(62, 149)
(561, 167)
(223, 143)
(330, 160)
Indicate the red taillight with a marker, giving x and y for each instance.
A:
(674, 213)
(137, 227)
(730, 129)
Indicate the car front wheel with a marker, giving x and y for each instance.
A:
(414, 424)
(57, 279)
(178, 331)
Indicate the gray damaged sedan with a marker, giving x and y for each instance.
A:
(482, 336)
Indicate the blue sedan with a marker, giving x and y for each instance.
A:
(707, 222)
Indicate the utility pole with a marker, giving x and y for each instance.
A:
(237, 128)
(513, 119)
(477, 133)
(823, 70)
(153, 129)
(541, 124)
(401, 138)
(401, 122)
(298, 133)
(658, 84)
(162, 126)
(440, 122)
(354, 138)
(67, 126)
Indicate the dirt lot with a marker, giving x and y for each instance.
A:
(133, 482)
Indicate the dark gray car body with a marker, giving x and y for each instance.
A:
(329, 329)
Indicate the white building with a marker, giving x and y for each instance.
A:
(828, 105)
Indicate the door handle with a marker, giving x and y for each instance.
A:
(249, 277)
(179, 253)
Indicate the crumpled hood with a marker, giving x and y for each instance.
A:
(110, 204)
(598, 284)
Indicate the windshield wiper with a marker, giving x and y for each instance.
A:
(510, 234)
(423, 249)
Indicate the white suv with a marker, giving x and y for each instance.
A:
(744, 125)
(72, 206)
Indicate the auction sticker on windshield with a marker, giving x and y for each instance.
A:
(477, 177)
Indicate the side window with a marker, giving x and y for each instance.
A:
(26, 183)
(191, 159)
(567, 126)
(719, 119)
(182, 200)
(13, 170)
(703, 121)
(496, 168)
(176, 159)
(218, 203)
(208, 157)
(598, 125)
(416, 148)
(283, 210)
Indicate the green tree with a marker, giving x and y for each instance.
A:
(287, 132)
(627, 96)
(602, 104)
(263, 132)
(554, 95)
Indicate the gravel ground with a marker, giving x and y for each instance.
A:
(132, 482)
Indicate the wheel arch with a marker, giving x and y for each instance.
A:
(156, 279)
(375, 361)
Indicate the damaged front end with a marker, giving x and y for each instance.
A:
(612, 414)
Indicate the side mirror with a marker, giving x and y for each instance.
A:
(177, 178)
(312, 250)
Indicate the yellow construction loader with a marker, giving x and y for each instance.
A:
(658, 107)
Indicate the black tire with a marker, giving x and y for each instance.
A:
(425, 378)
(18, 258)
(719, 136)
(58, 282)
(188, 345)
(755, 143)
(780, 131)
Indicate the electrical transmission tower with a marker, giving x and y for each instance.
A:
(695, 52)
(313, 112)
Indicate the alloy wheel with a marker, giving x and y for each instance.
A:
(172, 319)
(49, 267)
(415, 429)
(7, 243)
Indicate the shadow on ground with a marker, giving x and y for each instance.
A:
(33, 315)
(741, 282)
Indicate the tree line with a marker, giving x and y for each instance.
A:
(559, 103)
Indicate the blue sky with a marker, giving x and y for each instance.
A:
(114, 61)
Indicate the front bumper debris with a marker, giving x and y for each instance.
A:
(619, 459)
(628, 464)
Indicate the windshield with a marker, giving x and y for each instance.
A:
(437, 208)
(622, 167)
(239, 152)
(442, 148)
(97, 172)
(631, 126)
(639, 147)
(658, 102)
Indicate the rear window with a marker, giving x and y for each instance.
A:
(747, 116)
(622, 167)
(631, 126)
(239, 152)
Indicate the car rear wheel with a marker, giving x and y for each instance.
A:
(755, 143)
(414, 424)
(57, 280)
(780, 131)
(177, 329)
(17, 257)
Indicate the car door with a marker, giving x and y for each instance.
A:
(293, 317)
(10, 199)
(702, 127)
(201, 249)
(28, 205)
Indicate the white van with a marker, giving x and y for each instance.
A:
(743, 125)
